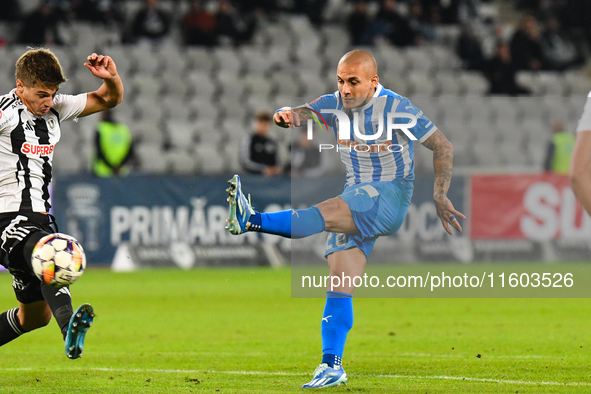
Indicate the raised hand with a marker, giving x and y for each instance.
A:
(101, 66)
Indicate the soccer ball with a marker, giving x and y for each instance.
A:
(58, 260)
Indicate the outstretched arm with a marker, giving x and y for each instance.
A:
(443, 156)
(111, 91)
(291, 117)
(580, 169)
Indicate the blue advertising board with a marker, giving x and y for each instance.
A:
(154, 212)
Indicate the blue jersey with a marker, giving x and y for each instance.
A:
(381, 159)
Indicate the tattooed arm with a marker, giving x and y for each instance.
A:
(291, 117)
(443, 156)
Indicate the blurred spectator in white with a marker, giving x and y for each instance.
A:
(560, 149)
(306, 158)
(491, 41)
(559, 52)
(40, 27)
(151, 23)
(359, 25)
(501, 73)
(525, 45)
(469, 49)
(258, 151)
(199, 26)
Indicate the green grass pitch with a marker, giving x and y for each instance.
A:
(239, 331)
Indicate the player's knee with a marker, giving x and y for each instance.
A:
(335, 212)
(30, 323)
(330, 210)
(44, 320)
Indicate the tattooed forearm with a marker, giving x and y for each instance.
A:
(443, 156)
(303, 112)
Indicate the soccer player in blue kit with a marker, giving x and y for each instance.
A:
(376, 197)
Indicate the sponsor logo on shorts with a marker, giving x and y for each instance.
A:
(17, 283)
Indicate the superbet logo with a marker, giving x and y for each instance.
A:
(37, 150)
(0, 114)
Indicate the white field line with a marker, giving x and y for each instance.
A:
(267, 373)
(487, 356)
(484, 380)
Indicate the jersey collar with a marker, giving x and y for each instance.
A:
(371, 101)
(15, 96)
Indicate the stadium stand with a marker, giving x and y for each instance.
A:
(188, 106)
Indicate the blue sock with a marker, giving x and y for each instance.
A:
(295, 223)
(336, 323)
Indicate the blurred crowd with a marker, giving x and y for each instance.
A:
(406, 23)
(211, 22)
(552, 34)
(206, 23)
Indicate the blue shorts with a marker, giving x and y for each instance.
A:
(378, 208)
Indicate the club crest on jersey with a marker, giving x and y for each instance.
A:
(51, 123)
(36, 150)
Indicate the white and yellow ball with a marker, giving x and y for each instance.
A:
(58, 260)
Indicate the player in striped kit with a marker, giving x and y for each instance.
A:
(30, 118)
(377, 194)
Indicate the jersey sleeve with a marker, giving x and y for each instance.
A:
(424, 127)
(3, 122)
(68, 106)
(8, 116)
(327, 101)
(585, 120)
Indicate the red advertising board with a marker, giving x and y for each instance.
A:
(539, 207)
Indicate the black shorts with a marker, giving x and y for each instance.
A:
(17, 229)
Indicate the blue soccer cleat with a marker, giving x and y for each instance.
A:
(240, 208)
(325, 376)
(80, 322)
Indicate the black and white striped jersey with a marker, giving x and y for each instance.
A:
(27, 142)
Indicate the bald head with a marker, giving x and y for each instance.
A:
(357, 76)
(362, 58)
